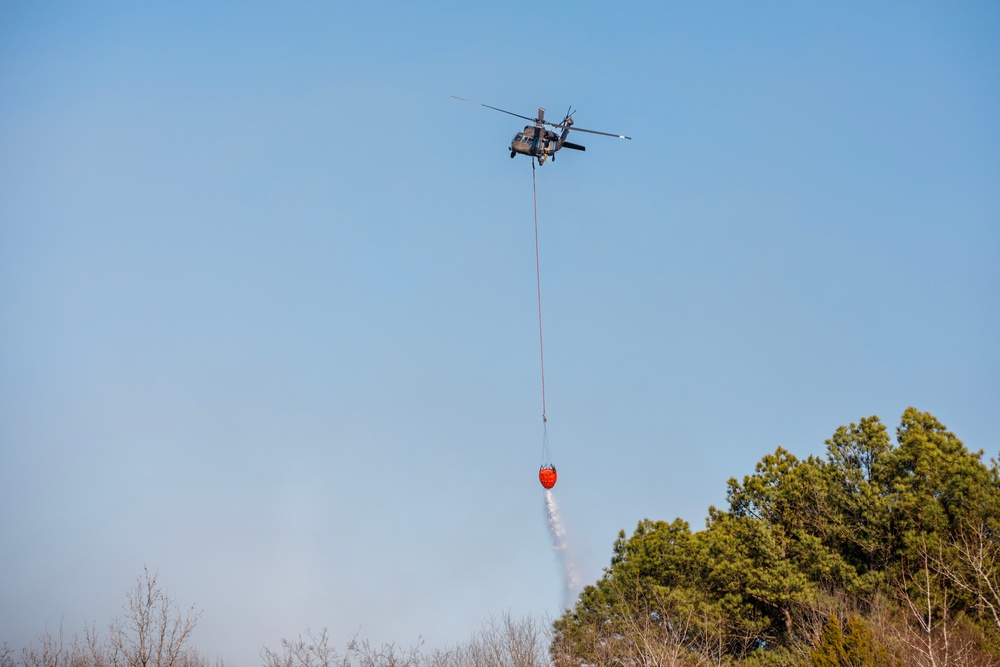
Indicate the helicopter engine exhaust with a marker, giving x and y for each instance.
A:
(576, 147)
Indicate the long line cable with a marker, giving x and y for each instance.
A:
(538, 280)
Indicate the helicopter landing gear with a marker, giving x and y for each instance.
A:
(512, 154)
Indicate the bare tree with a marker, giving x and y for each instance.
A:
(153, 632)
(977, 570)
(928, 633)
(503, 641)
(314, 650)
(94, 653)
(51, 652)
(658, 629)
(309, 651)
(384, 655)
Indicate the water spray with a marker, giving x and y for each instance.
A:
(571, 582)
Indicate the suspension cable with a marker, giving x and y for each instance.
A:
(538, 280)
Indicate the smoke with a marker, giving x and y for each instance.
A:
(560, 545)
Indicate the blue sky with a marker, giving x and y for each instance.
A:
(267, 292)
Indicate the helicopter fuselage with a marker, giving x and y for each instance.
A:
(536, 142)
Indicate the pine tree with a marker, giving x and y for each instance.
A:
(852, 645)
(829, 650)
(859, 644)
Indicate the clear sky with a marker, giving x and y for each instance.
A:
(267, 293)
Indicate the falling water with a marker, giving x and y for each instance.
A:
(561, 546)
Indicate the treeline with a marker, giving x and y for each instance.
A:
(878, 554)
(154, 631)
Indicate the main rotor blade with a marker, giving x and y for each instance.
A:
(533, 120)
(606, 134)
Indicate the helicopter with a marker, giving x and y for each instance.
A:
(540, 142)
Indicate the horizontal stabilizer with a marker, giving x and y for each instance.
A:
(576, 147)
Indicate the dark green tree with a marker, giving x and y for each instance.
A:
(936, 481)
(829, 650)
(861, 497)
(849, 645)
(800, 535)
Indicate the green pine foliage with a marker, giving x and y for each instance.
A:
(901, 537)
(830, 650)
(850, 645)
